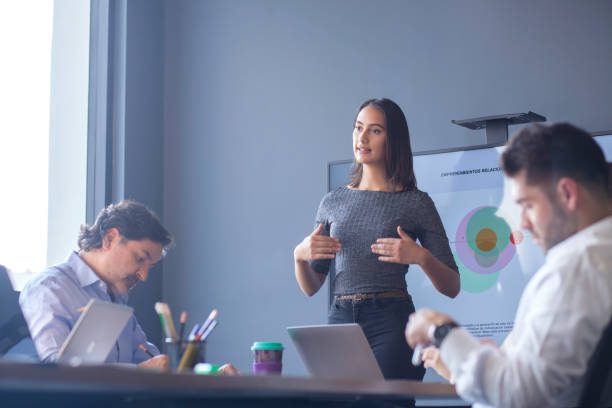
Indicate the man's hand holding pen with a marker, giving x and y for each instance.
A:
(159, 362)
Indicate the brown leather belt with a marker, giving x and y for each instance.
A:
(384, 295)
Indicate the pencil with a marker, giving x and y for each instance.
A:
(146, 350)
(170, 321)
(182, 329)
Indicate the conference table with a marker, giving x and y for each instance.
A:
(46, 385)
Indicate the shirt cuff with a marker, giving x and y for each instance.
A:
(456, 347)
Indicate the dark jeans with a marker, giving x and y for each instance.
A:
(383, 321)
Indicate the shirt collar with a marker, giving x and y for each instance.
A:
(87, 277)
(84, 274)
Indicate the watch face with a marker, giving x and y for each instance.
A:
(441, 332)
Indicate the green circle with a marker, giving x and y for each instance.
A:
(262, 345)
(475, 282)
(486, 218)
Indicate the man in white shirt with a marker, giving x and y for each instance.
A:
(559, 178)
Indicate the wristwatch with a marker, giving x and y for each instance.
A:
(439, 333)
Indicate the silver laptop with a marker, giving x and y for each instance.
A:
(95, 333)
(335, 350)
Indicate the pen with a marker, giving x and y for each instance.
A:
(416, 354)
(146, 350)
(212, 325)
(211, 317)
(194, 332)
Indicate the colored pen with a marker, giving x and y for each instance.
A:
(212, 316)
(212, 325)
(194, 332)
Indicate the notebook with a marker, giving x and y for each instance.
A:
(335, 350)
(95, 333)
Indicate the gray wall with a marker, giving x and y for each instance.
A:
(260, 96)
(138, 128)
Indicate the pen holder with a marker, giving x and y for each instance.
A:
(183, 355)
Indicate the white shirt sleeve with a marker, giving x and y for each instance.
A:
(555, 333)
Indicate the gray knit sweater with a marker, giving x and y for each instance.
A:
(358, 218)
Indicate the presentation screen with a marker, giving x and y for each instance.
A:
(495, 257)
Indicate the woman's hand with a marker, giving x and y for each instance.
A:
(401, 250)
(317, 246)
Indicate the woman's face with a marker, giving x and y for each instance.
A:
(370, 137)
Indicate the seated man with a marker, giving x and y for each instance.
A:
(559, 177)
(115, 254)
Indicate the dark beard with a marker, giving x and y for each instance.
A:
(131, 281)
(561, 227)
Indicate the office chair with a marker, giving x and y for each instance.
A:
(597, 391)
(13, 328)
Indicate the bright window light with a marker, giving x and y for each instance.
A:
(25, 45)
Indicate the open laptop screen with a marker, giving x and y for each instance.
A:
(335, 350)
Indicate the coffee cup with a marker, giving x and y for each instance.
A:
(267, 358)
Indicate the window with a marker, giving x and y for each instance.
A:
(43, 131)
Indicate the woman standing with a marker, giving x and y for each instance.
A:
(370, 228)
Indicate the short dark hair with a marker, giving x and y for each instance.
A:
(398, 156)
(550, 152)
(133, 220)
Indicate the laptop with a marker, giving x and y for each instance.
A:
(335, 350)
(95, 333)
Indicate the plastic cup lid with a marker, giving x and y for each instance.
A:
(262, 345)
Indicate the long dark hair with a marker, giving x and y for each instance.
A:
(398, 155)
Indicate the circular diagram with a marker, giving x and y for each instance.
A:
(484, 244)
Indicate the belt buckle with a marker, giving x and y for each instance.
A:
(358, 297)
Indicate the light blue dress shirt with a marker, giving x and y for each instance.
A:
(50, 303)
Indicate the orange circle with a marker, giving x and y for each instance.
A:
(486, 239)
